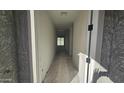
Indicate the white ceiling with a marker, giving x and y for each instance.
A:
(63, 18)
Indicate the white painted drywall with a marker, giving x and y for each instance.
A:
(96, 45)
(45, 43)
(80, 35)
(70, 41)
(96, 39)
(99, 36)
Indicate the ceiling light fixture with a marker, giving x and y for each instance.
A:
(63, 13)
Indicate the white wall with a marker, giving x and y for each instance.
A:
(45, 43)
(99, 35)
(96, 44)
(80, 36)
(70, 41)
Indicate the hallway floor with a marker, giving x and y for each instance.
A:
(61, 70)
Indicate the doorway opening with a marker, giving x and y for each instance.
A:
(60, 36)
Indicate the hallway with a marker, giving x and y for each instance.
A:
(56, 73)
(57, 31)
(52, 46)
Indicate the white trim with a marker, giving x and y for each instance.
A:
(96, 42)
(99, 35)
(33, 46)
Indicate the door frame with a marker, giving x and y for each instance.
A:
(33, 46)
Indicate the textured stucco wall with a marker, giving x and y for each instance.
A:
(15, 62)
(8, 56)
(112, 56)
(23, 46)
